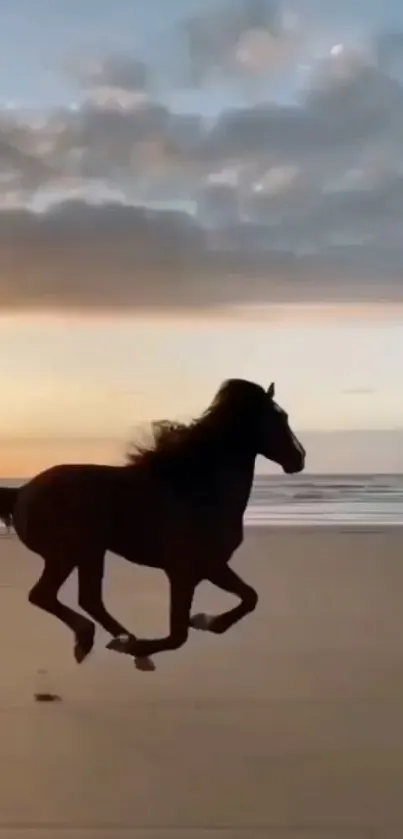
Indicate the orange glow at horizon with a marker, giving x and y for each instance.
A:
(77, 387)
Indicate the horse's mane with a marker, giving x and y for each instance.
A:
(180, 448)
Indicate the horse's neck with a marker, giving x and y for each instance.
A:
(236, 479)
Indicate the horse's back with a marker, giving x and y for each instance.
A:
(68, 499)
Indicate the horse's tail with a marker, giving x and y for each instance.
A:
(8, 498)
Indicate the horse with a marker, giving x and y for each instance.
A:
(176, 504)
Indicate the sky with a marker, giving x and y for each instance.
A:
(187, 196)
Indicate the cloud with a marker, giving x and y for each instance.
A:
(293, 197)
(117, 70)
(111, 255)
(389, 50)
(356, 100)
(137, 143)
(21, 167)
(349, 105)
(236, 40)
(83, 256)
(338, 112)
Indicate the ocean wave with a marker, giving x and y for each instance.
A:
(325, 499)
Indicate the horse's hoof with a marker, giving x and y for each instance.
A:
(145, 664)
(121, 644)
(84, 643)
(201, 621)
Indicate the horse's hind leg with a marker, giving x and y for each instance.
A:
(44, 595)
(90, 578)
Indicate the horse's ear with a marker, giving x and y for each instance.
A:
(270, 391)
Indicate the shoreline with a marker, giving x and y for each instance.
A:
(329, 527)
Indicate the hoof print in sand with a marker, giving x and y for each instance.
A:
(47, 697)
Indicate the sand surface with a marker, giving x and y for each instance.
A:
(288, 727)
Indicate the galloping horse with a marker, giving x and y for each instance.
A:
(177, 505)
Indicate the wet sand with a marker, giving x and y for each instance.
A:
(288, 727)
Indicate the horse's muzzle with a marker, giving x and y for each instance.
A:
(295, 465)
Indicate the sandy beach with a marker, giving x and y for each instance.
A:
(288, 727)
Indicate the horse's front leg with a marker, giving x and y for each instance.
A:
(225, 578)
(182, 591)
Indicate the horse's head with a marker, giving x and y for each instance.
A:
(242, 419)
(250, 419)
(277, 440)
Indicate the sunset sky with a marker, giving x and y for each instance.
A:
(184, 197)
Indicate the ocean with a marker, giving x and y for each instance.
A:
(303, 500)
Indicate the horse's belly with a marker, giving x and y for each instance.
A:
(148, 528)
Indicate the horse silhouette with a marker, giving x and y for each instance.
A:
(176, 505)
